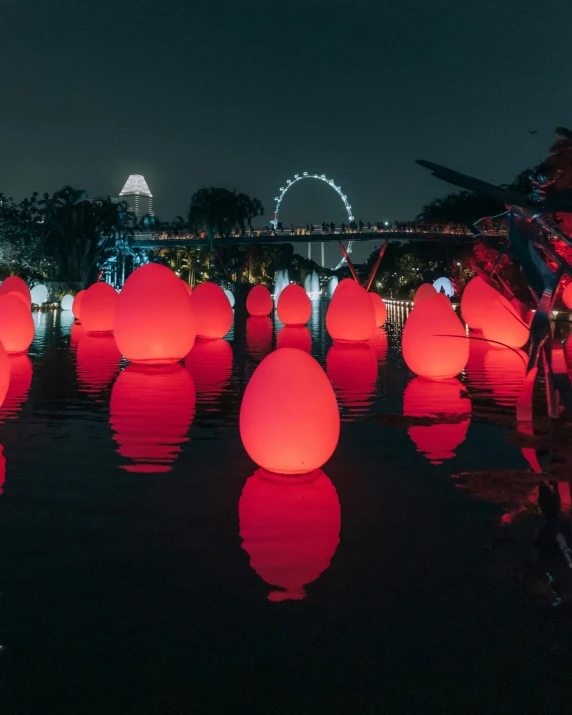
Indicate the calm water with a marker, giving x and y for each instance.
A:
(147, 567)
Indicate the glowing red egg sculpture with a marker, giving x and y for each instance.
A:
(98, 359)
(434, 344)
(259, 302)
(15, 284)
(342, 285)
(187, 287)
(151, 410)
(295, 336)
(378, 343)
(259, 333)
(351, 315)
(294, 306)
(4, 374)
(424, 292)
(18, 387)
(290, 528)
(282, 434)
(380, 309)
(16, 324)
(210, 364)
(76, 305)
(443, 401)
(98, 308)
(155, 321)
(212, 311)
(352, 369)
(567, 296)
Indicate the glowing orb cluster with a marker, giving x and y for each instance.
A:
(259, 302)
(67, 302)
(155, 320)
(351, 314)
(294, 306)
(434, 343)
(425, 291)
(282, 435)
(98, 308)
(14, 284)
(380, 309)
(16, 324)
(212, 311)
(39, 294)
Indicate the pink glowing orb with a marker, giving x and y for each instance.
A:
(76, 305)
(187, 287)
(18, 387)
(434, 344)
(210, 364)
(294, 306)
(295, 336)
(290, 528)
(98, 308)
(378, 343)
(4, 373)
(259, 302)
(380, 309)
(281, 434)
(443, 401)
(351, 315)
(151, 410)
(259, 333)
(212, 311)
(155, 321)
(352, 369)
(16, 324)
(424, 292)
(15, 284)
(98, 359)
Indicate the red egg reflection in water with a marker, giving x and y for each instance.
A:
(16, 324)
(15, 284)
(210, 364)
(442, 401)
(259, 301)
(352, 370)
(378, 343)
(294, 307)
(496, 371)
(295, 336)
(290, 528)
(2, 469)
(76, 334)
(98, 308)
(18, 387)
(98, 359)
(4, 374)
(151, 410)
(76, 305)
(259, 332)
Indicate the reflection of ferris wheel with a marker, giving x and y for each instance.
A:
(320, 177)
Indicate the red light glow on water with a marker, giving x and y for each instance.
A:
(210, 364)
(18, 387)
(259, 333)
(378, 343)
(2, 469)
(495, 371)
(98, 359)
(4, 374)
(290, 528)
(295, 336)
(352, 369)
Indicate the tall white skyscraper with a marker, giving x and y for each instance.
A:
(138, 196)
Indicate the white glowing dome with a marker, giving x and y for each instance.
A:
(67, 302)
(230, 295)
(39, 294)
(446, 285)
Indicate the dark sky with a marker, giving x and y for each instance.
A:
(246, 93)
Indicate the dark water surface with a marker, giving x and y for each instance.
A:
(125, 585)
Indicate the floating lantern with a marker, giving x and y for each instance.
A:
(290, 528)
(76, 306)
(443, 401)
(67, 302)
(298, 429)
(16, 324)
(295, 336)
(378, 343)
(434, 343)
(444, 285)
(259, 302)
(294, 306)
(18, 387)
(98, 359)
(98, 308)
(4, 374)
(151, 410)
(212, 310)
(230, 295)
(380, 309)
(259, 332)
(351, 315)
(567, 296)
(210, 364)
(424, 292)
(352, 369)
(155, 321)
(14, 284)
(39, 294)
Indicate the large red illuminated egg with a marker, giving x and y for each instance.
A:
(290, 528)
(434, 344)
(284, 434)
(210, 364)
(155, 321)
(4, 374)
(259, 301)
(16, 324)
(98, 360)
(351, 315)
(343, 284)
(380, 309)
(212, 311)
(352, 369)
(76, 305)
(442, 401)
(18, 387)
(15, 284)
(295, 336)
(259, 334)
(567, 296)
(98, 308)
(424, 292)
(294, 306)
(484, 308)
(187, 287)
(151, 410)
(476, 302)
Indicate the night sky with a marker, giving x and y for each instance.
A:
(244, 94)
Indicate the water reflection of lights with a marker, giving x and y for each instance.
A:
(259, 336)
(98, 359)
(352, 369)
(18, 387)
(210, 364)
(378, 343)
(2, 469)
(449, 410)
(290, 528)
(495, 371)
(151, 410)
(295, 336)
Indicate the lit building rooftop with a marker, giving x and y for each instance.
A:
(136, 184)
